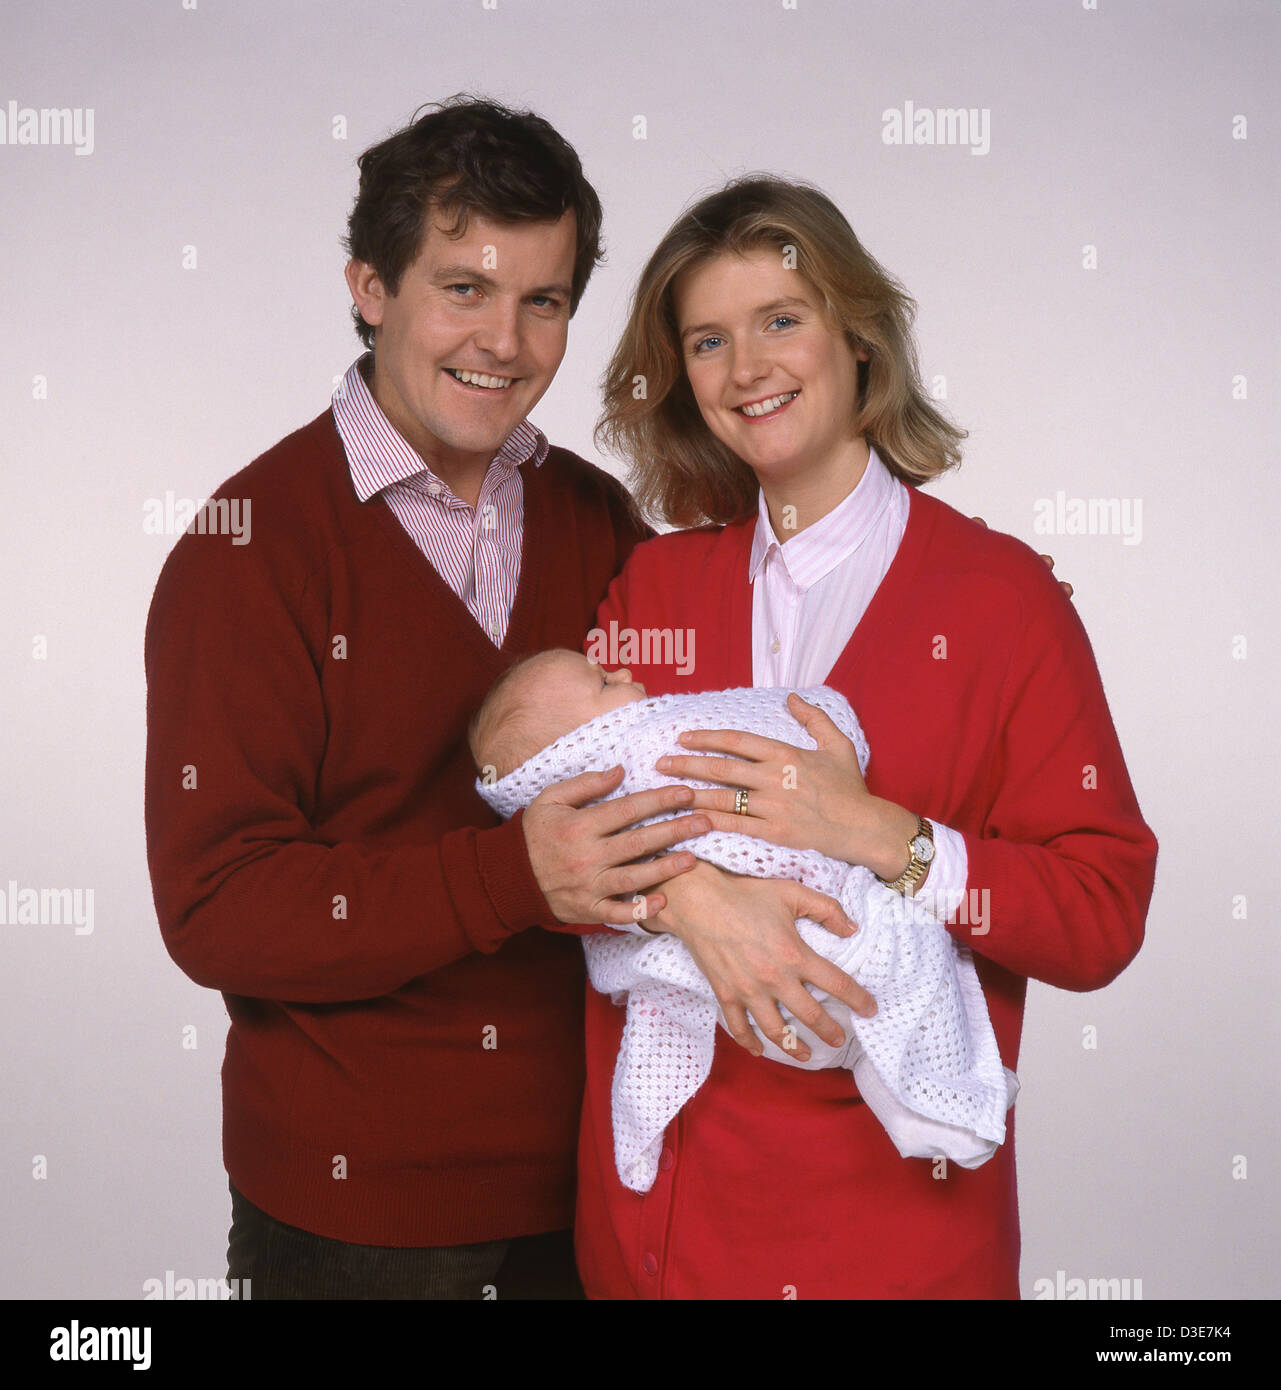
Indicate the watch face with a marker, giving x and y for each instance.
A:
(923, 848)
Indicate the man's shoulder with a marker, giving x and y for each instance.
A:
(284, 501)
(294, 466)
(567, 470)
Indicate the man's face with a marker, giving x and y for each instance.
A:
(473, 337)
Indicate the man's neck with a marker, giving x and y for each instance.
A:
(462, 472)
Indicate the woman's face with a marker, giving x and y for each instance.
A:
(773, 380)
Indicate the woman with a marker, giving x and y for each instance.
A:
(766, 383)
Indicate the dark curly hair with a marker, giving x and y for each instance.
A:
(467, 154)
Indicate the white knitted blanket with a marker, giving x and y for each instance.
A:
(931, 1041)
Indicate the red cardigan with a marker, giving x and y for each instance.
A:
(777, 1182)
(404, 1063)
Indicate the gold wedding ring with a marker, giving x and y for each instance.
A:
(740, 802)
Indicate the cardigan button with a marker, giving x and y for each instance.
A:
(650, 1264)
(666, 1159)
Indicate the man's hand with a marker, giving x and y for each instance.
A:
(742, 934)
(1049, 560)
(582, 855)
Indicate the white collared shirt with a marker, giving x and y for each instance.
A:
(475, 550)
(810, 592)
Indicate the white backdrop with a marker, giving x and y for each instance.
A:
(1099, 301)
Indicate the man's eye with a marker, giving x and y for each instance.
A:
(463, 291)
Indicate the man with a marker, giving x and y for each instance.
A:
(404, 1065)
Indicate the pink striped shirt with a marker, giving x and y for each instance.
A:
(476, 551)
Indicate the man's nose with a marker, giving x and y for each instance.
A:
(498, 331)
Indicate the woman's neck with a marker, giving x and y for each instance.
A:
(797, 503)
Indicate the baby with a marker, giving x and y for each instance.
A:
(927, 1064)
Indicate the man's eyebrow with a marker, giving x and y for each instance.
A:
(455, 274)
(772, 307)
(449, 274)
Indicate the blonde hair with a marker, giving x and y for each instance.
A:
(680, 473)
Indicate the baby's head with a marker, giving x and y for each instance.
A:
(538, 700)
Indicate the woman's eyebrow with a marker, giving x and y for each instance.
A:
(772, 307)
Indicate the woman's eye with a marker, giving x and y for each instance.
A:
(711, 341)
(785, 319)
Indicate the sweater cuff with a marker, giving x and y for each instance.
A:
(509, 878)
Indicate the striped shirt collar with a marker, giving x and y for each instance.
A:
(819, 548)
(379, 456)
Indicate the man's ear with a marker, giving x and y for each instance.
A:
(368, 292)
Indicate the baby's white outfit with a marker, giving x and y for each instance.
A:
(927, 1063)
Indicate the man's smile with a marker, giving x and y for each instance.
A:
(482, 380)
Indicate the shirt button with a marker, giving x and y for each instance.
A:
(776, 646)
(650, 1265)
(666, 1159)
(434, 489)
(493, 629)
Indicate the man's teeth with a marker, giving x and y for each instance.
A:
(490, 383)
(764, 407)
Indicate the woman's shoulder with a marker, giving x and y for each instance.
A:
(960, 549)
(677, 552)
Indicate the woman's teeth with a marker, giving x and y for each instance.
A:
(490, 383)
(764, 407)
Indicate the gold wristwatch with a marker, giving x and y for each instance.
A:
(921, 848)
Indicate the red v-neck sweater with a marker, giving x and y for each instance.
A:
(983, 707)
(404, 1064)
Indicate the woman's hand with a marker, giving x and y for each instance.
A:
(742, 934)
(803, 798)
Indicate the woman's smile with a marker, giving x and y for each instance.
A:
(770, 408)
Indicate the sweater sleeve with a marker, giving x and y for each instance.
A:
(1061, 874)
(251, 900)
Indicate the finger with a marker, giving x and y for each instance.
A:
(630, 879)
(810, 1012)
(979, 519)
(612, 816)
(822, 974)
(711, 800)
(629, 846)
(639, 908)
(770, 1022)
(827, 912)
(1049, 560)
(740, 1029)
(586, 786)
(1066, 587)
(742, 743)
(816, 722)
(735, 772)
